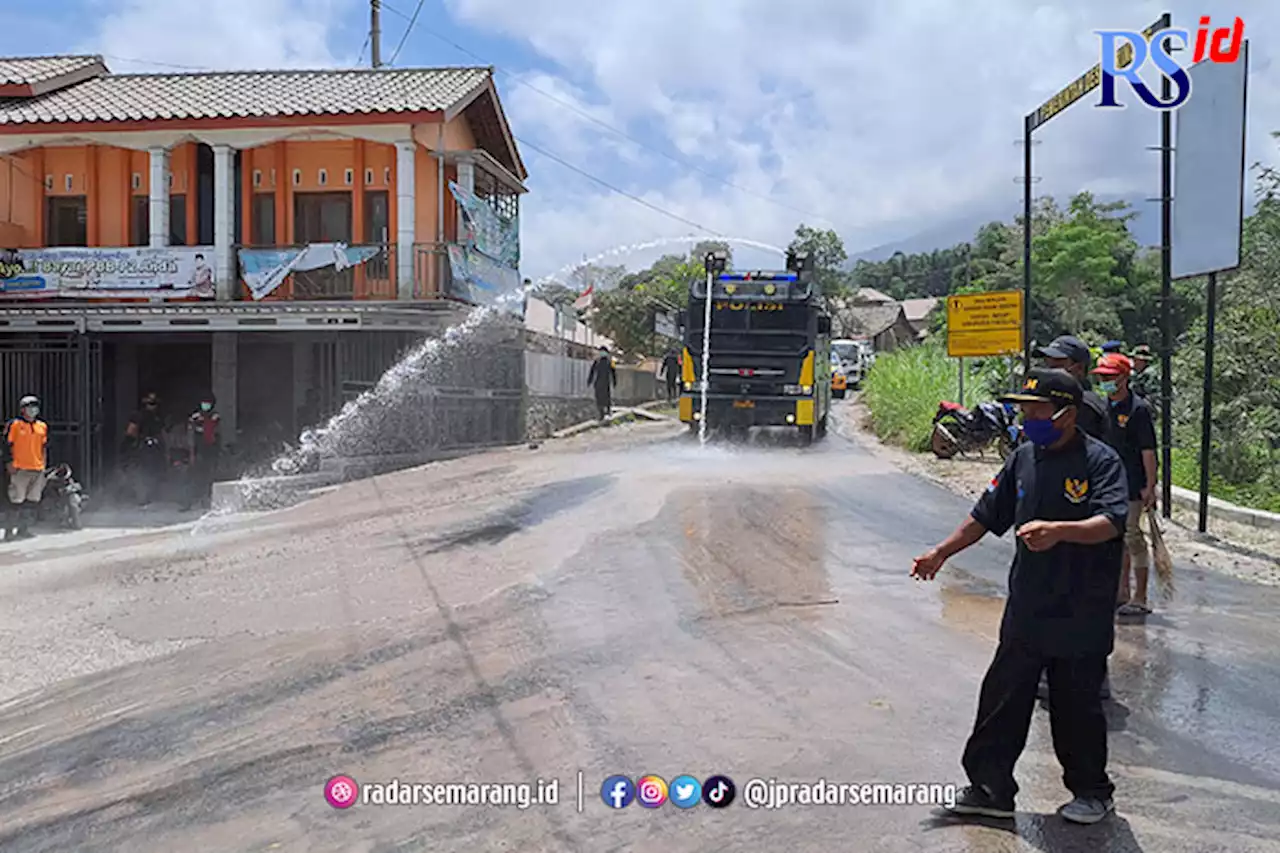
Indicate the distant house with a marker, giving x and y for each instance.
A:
(919, 313)
(884, 324)
(871, 296)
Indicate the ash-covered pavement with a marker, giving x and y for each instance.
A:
(619, 603)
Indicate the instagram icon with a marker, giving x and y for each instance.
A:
(651, 791)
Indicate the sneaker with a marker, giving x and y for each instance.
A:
(1087, 810)
(975, 800)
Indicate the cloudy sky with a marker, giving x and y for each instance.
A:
(666, 118)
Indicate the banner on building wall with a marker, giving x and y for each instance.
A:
(264, 270)
(483, 228)
(140, 272)
(480, 280)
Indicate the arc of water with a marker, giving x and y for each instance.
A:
(653, 244)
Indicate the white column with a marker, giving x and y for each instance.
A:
(406, 221)
(159, 212)
(224, 214)
(467, 175)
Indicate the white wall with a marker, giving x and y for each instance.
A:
(563, 324)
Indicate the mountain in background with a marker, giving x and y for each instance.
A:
(1145, 228)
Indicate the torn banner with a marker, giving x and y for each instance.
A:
(263, 270)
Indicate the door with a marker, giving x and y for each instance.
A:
(322, 218)
(66, 374)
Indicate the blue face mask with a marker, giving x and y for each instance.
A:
(1043, 433)
(1109, 386)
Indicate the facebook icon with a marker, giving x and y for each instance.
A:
(617, 792)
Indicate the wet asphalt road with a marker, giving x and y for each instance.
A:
(620, 603)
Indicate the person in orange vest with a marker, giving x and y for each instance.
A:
(25, 441)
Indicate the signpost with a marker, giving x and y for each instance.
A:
(982, 325)
(664, 324)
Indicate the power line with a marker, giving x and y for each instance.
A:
(602, 182)
(363, 48)
(604, 124)
(413, 20)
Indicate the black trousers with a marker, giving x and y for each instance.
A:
(671, 388)
(1076, 718)
(604, 401)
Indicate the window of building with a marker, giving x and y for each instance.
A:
(262, 220)
(177, 220)
(66, 221)
(377, 218)
(140, 221)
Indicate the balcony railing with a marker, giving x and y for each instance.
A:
(360, 271)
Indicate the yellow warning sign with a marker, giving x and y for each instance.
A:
(984, 324)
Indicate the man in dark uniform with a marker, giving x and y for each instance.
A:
(204, 442)
(671, 372)
(1064, 492)
(145, 450)
(1071, 354)
(603, 378)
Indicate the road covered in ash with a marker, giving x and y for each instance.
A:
(620, 603)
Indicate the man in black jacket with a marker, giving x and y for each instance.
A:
(1071, 354)
(603, 378)
(1065, 495)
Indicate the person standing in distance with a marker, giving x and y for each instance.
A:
(1066, 496)
(25, 441)
(1134, 425)
(603, 378)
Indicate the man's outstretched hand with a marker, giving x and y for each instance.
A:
(927, 565)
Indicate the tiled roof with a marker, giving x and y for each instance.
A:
(246, 94)
(918, 309)
(16, 71)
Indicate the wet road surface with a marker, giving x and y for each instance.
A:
(624, 603)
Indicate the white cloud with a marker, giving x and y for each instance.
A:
(226, 34)
(884, 117)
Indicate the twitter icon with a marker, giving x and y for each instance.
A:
(685, 792)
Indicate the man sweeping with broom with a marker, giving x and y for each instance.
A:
(1133, 426)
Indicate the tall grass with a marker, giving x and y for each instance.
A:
(902, 393)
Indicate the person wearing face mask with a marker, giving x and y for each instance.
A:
(603, 377)
(1071, 354)
(1066, 496)
(1134, 423)
(204, 443)
(25, 443)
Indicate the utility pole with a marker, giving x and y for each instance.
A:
(375, 32)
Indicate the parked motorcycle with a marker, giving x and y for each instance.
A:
(960, 430)
(63, 498)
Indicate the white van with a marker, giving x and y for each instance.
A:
(851, 358)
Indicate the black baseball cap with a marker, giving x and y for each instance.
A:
(1068, 347)
(1046, 385)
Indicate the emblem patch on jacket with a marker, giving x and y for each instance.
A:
(1076, 490)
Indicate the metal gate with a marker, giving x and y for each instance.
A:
(66, 374)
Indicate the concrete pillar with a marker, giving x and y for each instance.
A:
(302, 378)
(406, 218)
(159, 196)
(224, 215)
(467, 175)
(226, 372)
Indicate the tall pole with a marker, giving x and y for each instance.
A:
(375, 32)
(1166, 292)
(1026, 247)
(1206, 416)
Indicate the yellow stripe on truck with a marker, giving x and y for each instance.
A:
(686, 409)
(804, 412)
(686, 368)
(806, 371)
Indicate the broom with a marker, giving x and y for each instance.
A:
(1161, 557)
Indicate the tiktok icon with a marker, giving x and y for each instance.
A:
(718, 792)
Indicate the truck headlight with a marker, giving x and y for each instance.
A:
(806, 389)
(791, 389)
(688, 386)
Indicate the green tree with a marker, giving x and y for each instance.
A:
(829, 257)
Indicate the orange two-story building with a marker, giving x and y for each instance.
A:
(279, 237)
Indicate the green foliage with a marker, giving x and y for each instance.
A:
(829, 257)
(902, 392)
